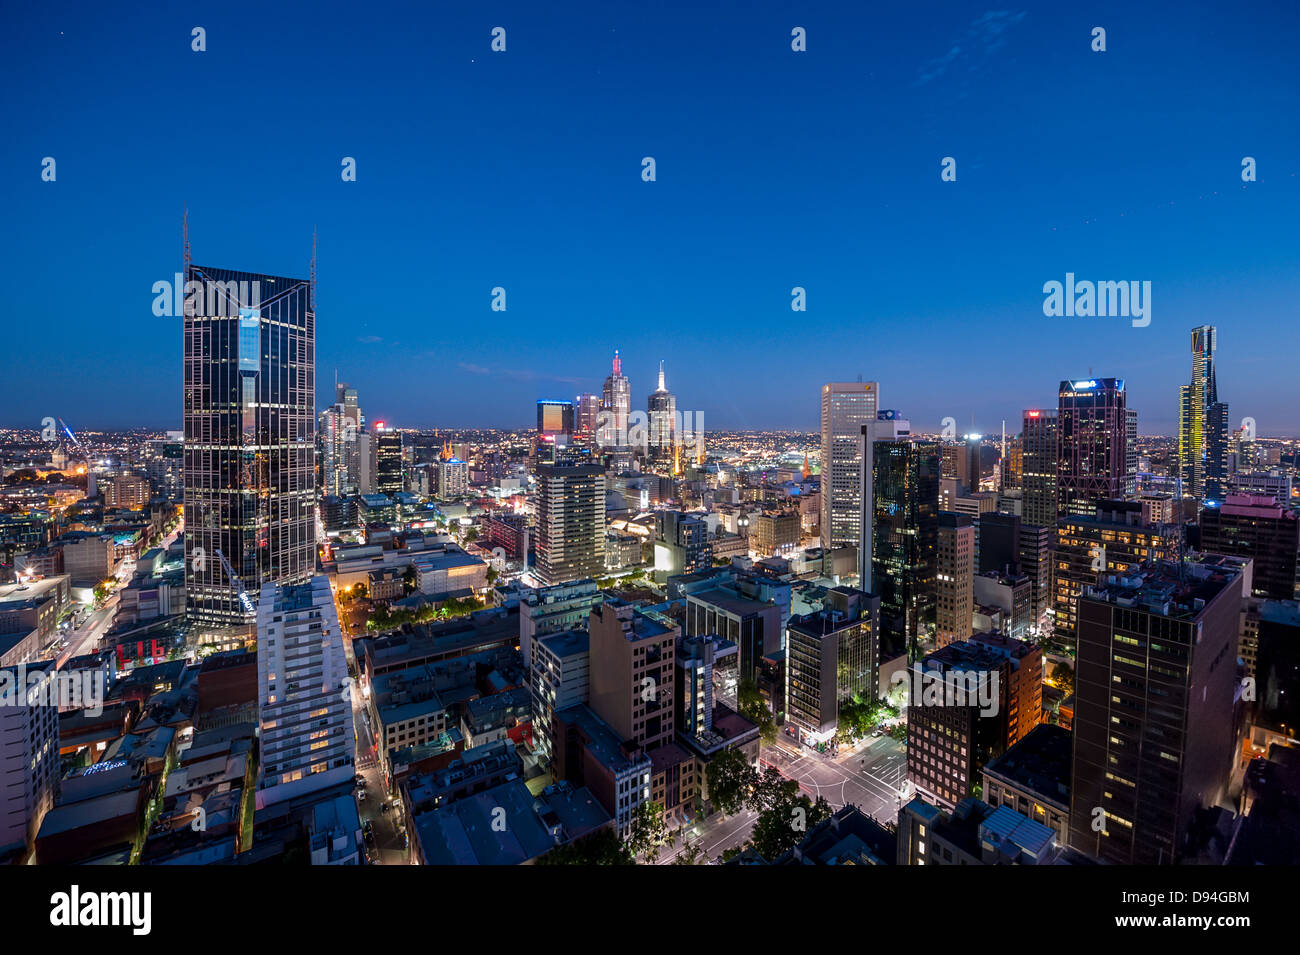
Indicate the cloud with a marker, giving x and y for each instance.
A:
(370, 339)
(984, 37)
(516, 374)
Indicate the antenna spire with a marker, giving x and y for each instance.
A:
(618, 364)
(661, 375)
(185, 242)
(312, 294)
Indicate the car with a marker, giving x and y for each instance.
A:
(361, 795)
(877, 732)
(385, 807)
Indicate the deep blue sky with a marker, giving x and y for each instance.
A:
(775, 169)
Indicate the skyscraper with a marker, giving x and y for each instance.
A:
(904, 536)
(570, 533)
(662, 419)
(388, 460)
(249, 375)
(1038, 467)
(554, 418)
(586, 411)
(1091, 440)
(1153, 714)
(1202, 423)
(955, 578)
(616, 406)
(846, 407)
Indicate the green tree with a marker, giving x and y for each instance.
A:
(691, 854)
(730, 779)
(754, 708)
(648, 831)
(601, 848)
(784, 825)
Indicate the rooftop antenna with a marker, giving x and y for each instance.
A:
(312, 293)
(185, 242)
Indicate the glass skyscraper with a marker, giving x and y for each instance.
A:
(249, 420)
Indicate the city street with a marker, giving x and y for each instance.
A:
(869, 778)
(387, 846)
(714, 836)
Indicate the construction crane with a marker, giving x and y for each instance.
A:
(245, 601)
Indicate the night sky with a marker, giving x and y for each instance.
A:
(775, 169)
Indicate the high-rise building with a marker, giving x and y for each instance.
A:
(1092, 440)
(1262, 529)
(1038, 467)
(586, 412)
(249, 418)
(662, 423)
(570, 532)
(544, 610)
(616, 406)
(29, 752)
(1088, 547)
(904, 534)
(1202, 423)
(1153, 723)
(560, 678)
(954, 578)
(846, 407)
(388, 460)
(306, 713)
(681, 543)
(1131, 451)
(554, 418)
(831, 659)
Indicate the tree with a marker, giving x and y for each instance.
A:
(648, 831)
(730, 778)
(754, 708)
(691, 854)
(784, 825)
(601, 848)
(772, 790)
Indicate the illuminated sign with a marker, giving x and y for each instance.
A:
(1090, 383)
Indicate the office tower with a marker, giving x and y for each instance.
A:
(560, 678)
(1012, 466)
(1154, 729)
(681, 543)
(554, 418)
(999, 543)
(1091, 439)
(337, 443)
(904, 536)
(1202, 423)
(544, 610)
(846, 407)
(663, 425)
(831, 659)
(616, 406)
(968, 461)
(631, 667)
(693, 676)
(388, 460)
(967, 703)
(954, 578)
(29, 752)
(306, 709)
(1130, 451)
(249, 412)
(1038, 467)
(1036, 545)
(1262, 529)
(570, 531)
(586, 412)
(1113, 537)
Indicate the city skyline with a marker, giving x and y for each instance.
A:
(922, 281)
